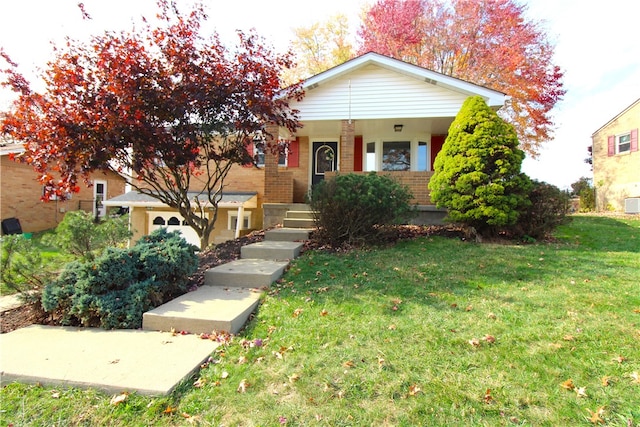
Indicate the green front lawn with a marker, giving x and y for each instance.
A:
(432, 331)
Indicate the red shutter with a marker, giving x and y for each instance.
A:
(293, 156)
(634, 140)
(250, 151)
(436, 145)
(611, 145)
(357, 153)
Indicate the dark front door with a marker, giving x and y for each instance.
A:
(325, 159)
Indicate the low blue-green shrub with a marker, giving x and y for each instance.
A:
(116, 288)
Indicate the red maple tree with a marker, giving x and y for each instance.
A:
(167, 109)
(487, 42)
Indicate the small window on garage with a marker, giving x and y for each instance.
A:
(173, 221)
(158, 220)
(233, 221)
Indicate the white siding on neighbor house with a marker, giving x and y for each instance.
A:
(378, 93)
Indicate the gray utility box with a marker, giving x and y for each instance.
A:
(632, 205)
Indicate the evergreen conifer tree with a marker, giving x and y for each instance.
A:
(477, 173)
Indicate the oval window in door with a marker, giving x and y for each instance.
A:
(325, 159)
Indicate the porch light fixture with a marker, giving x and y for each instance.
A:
(397, 128)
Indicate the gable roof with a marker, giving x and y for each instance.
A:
(492, 97)
(637, 101)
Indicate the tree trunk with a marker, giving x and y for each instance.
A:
(204, 241)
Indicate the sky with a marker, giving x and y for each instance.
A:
(596, 45)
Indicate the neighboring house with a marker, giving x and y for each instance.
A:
(21, 193)
(372, 113)
(616, 161)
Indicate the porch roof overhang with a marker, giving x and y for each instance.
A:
(230, 200)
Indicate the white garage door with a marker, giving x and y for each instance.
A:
(173, 222)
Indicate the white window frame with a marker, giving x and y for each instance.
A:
(99, 210)
(619, 142)
(258, 153)
(232, 218)
(379, 146)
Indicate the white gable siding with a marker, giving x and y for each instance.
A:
(378, 93)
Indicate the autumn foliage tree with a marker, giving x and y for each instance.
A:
(321, 46)
(162, 106)
(487, 42)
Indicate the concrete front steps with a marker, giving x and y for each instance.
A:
(231, 291)
(299, 219)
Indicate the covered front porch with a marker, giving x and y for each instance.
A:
(372, 113)
(402, 148)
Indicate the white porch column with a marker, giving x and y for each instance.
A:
(239, 220)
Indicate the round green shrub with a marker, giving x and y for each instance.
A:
(351, 208)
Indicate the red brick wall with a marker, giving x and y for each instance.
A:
(20, 197)
(416, 181)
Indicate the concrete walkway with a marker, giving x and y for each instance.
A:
(9, 302)
(151, 363)
(145, 361)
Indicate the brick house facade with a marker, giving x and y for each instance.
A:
(20, 195)
(372, 113)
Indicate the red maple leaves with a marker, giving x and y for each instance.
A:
(158, 105)
(487, 42)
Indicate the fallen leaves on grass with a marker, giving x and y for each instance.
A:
(200, 383)
(635, 377)
(414, 389)
(243, 386)
(475, 342)
(119, 398)
(324, 313)
(581, 392)
(568, 385)
(596, 416)
(619, 359)
(605, 381)
(293, 378)
(488, 399)
(297, 312)
(490, 339)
